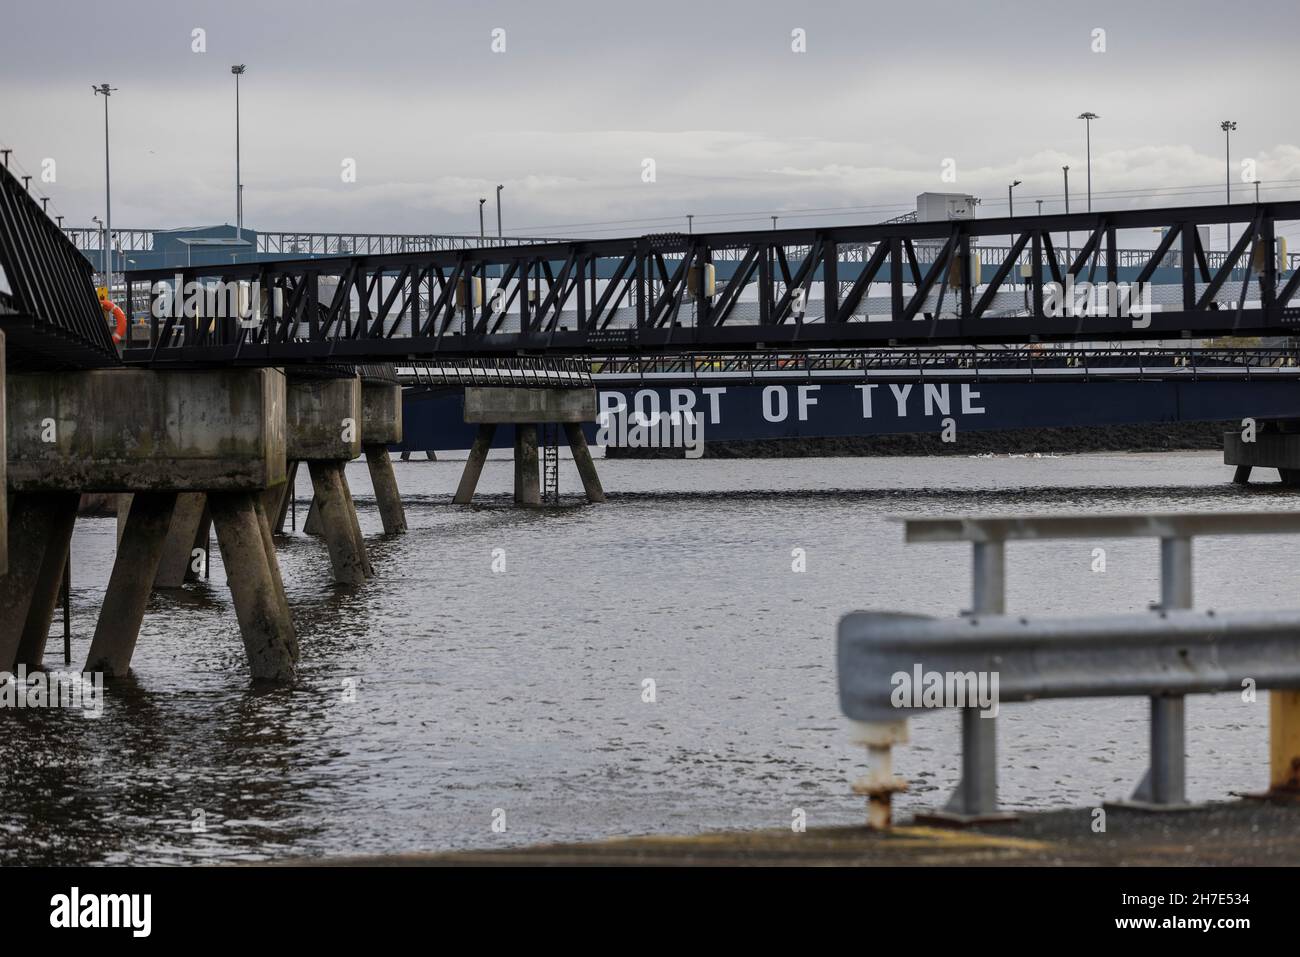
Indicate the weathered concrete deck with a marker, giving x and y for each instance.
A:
(1242, 833)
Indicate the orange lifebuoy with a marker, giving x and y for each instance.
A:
(119, 317)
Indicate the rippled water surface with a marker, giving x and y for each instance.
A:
(522, 690)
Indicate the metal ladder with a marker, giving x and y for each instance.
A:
(550, 464)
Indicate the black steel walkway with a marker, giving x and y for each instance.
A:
(843, 287)
(49, 312)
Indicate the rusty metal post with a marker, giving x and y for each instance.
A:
(1284, 743)
(879, 785)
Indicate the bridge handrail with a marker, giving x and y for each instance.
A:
(52, 315)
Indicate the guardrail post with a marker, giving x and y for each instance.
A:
(1165, 782)
(977, 793)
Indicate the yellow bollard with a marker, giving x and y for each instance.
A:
(1284, 742)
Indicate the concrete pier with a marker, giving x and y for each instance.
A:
(583, 460)
(158, 437)
(324, 424)
(276, 500)
(190, 531)
(39, 523)
(62, 515)
(474, 464)
(353, 523)
(347, 551)
(243, 536)
(381, 426)
(311, 524)
(528, 490)
(526, 410)
(131, 582)
(1275, 447)
(387, 495)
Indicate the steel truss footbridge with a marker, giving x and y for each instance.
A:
(891, 284)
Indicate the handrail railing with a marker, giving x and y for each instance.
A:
(521, 371)
(52, 317)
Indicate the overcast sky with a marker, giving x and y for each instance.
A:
(738, 124)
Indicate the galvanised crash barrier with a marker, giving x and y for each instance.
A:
(893, 665)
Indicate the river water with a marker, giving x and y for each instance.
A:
(444, 695)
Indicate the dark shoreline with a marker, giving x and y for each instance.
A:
(1167, 437)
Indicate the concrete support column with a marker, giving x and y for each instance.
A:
(276, 499)
(338, 522)
(272, 560)
(191, 529)
(131, 582)
(387, 496)
(528, 490)
(582, 459)
(243, 535)
(311, 524)
(123, 510)
(474, 464)
(49, 581)
(354, 522)
(39, 529)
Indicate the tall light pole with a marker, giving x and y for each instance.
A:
(238, 70)
(1227, 126)
(481, 201)
(690, 223)
(1087, 119)
(773, 223)
(1065, 170)
(500, 187)
(106, 91)
(103, 246)
(1011, 209)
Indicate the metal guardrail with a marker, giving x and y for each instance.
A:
(520, 372)
(1164, 655)
(948, 364)
(293, 243)
(285, 242)
(866, 365)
